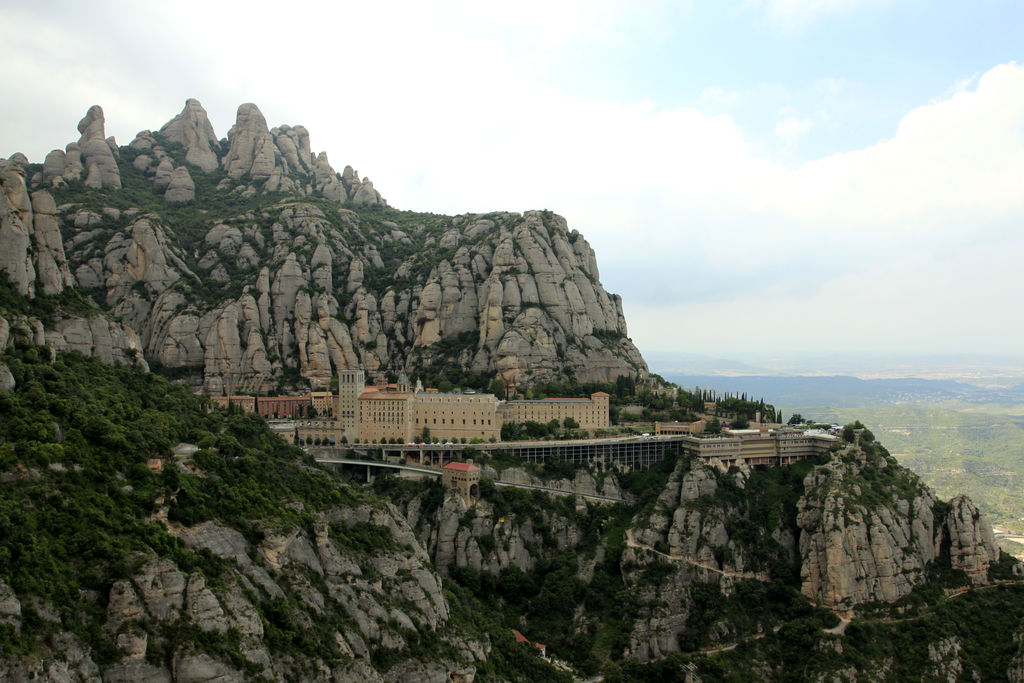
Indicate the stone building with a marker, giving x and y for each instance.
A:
(319, 431)
(351, 384)
(451, 417)
(394, 412)
(590, 414)
(758, 446)
(384, 413)
(247, 403)
(284, 406)
(324, 403)
(464, 477)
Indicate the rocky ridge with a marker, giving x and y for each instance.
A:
(862, 529)
(303, 279)
(374, 600)
(491, 540)
(860, 542)
(35, 263)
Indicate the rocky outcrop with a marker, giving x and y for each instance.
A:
(526, 307)
(302, 286)
(1015, 672)
(252, 148)
(97, 156)
(372, 596)
(180, 187)
(869, 528)
(686, 538)
(192, 128)
(972, 545)
(480, 538)
(33, 254)
(15, 229)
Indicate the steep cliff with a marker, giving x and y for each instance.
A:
(869, 528)
(120, 561)
(250, 261)
(857, 529)
(43, 309)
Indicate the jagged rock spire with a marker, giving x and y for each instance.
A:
(192, 128)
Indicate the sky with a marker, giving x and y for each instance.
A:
(780, 176)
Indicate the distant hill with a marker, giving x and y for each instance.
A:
(849, 392)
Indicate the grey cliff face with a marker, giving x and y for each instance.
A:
(517, 285)
(97, 156)
(300, 285)
(15, 229)
(252, 148)
(180, 187)
(689, 540)
(192, 128)
(858, 549)
(378, 596)
(456, 535)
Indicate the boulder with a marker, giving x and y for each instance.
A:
(180, 188)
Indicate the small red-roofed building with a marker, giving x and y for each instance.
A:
(464, 477)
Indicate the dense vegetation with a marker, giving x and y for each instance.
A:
(79, 505)
(79, 510)
(78, 498)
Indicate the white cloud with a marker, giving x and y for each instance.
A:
(791, 128)
(794, 15)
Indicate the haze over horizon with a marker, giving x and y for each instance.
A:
(760, 175)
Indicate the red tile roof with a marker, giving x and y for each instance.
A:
(461, 466)
(520, 638)
(599, 393)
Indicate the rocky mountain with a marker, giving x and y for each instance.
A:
(239, 558)
(858, 529)
(34, 264)
(250, 262)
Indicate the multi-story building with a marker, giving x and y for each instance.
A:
(759, 446)
(351, 384)
(324, 403)
(369, 414)
(384, 413)
(247, 403)
(590, 414)
(318, 431)
(284, 406)
(464, 477)
(697, 427)
(452, 417)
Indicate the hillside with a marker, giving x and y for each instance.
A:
(249, 262)
(146, 534)
(244, 560)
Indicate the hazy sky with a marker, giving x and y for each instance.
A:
(773, 175)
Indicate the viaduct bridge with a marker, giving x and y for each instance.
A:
(628, 453)
(436, 472)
